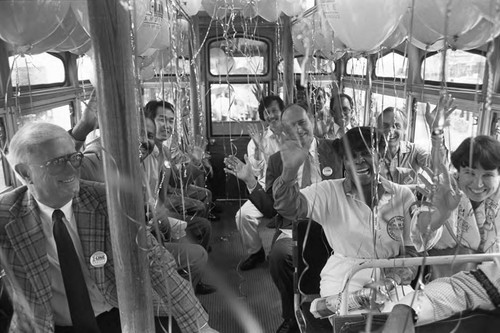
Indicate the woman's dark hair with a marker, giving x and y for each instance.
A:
(485, 152)
(360, 139)
(266, 102)
(151, 109)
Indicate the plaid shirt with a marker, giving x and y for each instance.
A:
(24, 258)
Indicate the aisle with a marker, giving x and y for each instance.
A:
(240, 295)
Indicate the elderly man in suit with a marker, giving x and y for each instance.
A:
(56, 245)
(323, 162)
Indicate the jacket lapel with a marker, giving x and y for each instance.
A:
(29, 243)
(91, 225)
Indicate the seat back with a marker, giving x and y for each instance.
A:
(310, 255)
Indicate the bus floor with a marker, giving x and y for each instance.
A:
(245, 301)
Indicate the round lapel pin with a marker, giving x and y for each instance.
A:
(98, 259)
(327, 171)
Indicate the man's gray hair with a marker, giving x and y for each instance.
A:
(29, 137)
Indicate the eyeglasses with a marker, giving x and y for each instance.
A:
(58, 164)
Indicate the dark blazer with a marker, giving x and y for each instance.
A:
(26, 264)
(329, 157)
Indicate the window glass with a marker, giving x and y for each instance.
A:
(356, 66)
(238, 56)
(461, 67)
(463, 124)
(85, 68)
(36, 69)
(59, 116)
(233, 103)
(314, 66)
(392, 65)
(381, 101)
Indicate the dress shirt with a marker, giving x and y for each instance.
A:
(59, 301)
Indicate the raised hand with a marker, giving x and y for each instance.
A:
(255, 134)
(239, 169)
(258, 92)
(292, 153)
(445, 197)
(439, 117)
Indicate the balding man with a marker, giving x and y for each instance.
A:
(56, 242)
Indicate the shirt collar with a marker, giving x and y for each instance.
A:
(313, 147)
(47, 211)
(350, 190)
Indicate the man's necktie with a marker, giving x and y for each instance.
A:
(306, 172)
(80, 308)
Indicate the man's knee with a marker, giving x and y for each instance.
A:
(281, 253)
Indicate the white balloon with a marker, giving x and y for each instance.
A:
(363, 25)
(191, 7)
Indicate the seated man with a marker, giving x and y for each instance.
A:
(325, 163)
(259, 149)
(188, 199)
(190, 257)
(345, 208)
(49, 229)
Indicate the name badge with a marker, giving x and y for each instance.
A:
(327, 171)
(98, 259)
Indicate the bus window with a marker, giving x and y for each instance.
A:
(314, 66)
(239, 56)
(38, 69)
(382, 101)
(59, 115)
(234, 103)
(461, 67)
(391, 65)
(356, 66)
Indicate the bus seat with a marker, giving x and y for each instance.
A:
(310, 255)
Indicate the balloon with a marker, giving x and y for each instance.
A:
(463, 15)
(363, 25)
(147, 73)
(191, 7)
(24, 23)
(396, 38)
(268, 10)
(82, 49)
(291, 7)
(147, 61)
(76, 38)
(57, 37)
(216, 9)
(490, 9)
(248, 9)
(150, 28)
(479, 35)
(163, 58)
(162, 40)
(420, 35)
(81, 9)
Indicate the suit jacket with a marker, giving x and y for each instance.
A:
(24, 258)
(329, 157)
